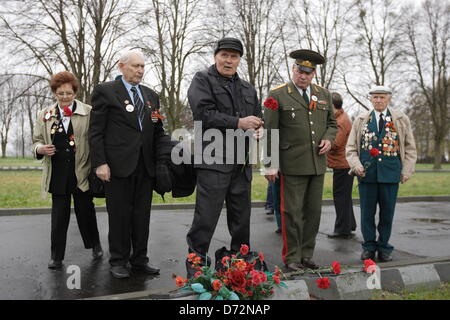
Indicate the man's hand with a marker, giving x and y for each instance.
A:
(324, 146)
(259, 133)
(403, 178)
(360, 172)
(271, 174)
(46, 149)
(103, 172)
(250, 122)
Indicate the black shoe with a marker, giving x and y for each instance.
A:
(120, 272)
(294, 267)
(340, 236)
(97, 251)
(309, 263)
(384, 256)
(278, 230)
(146, 268)
(368, 255)
(55, 264)
(269, 211)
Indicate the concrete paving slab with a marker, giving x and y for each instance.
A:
(25, 249)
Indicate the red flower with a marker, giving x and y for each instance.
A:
(276, 279)
(217, 285)
(67, 111)
(179, 281)
(374, 152)
(197, 274)
(367, 264)
(225, 260)
(244, 249)
(323, 283)
(271, 103)
(336, 267)
(237, 279)
(261, 257)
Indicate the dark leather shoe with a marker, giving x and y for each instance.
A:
(384, 256)
(278, 230)
(119, 272)
(269, 211)
(97, 251)
(309, 263)
(146, 268)
(340, 236)
(368, 255)
(55, 264)
(294, 266)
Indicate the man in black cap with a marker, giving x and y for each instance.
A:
(221, 100)
(304, 117)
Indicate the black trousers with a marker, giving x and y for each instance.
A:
(342, 195)
(86, 219)
(128, 201)
(213, 188)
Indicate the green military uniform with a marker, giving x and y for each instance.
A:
(301, 129)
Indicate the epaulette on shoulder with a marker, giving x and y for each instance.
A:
(279, 87)
(320, 87)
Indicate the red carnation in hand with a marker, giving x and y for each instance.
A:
(67, 111)
(336, 267)
(323, 283)
(271, 103)
(374, 152)
(244, 249)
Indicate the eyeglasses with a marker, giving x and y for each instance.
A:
(63, 94)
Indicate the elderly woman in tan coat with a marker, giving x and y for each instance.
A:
(61, 140)
(381, 151)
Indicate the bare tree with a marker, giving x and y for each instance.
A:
(428, 31)
(77, 35)
(174, 36)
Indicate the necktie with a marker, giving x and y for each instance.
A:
(305, 96)
(380, 123)
(138, 104)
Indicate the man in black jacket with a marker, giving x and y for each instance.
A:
(125, 128)
(221, 100)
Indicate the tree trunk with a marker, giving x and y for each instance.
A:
(437, 153)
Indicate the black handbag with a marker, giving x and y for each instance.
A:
(96, 186)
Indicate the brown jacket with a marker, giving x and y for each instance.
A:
(408, 152)
(336, 156)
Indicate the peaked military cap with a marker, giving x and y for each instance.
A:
(380, 89)
(307, 60)
(229, 43)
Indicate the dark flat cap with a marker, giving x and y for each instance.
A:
(231, 44)
(307, 60)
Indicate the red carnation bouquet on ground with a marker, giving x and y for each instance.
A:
(238, 281)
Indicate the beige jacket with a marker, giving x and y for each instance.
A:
(408, 152)
(41, 136)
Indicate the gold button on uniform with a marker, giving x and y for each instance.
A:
(379, 159)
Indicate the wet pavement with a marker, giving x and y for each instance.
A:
(421, 229)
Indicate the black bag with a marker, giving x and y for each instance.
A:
(96, 186)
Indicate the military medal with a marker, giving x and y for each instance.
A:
(47, 116)
(52, 131)
(129, 108)
(314, 98)
(127, 102)
(72, 143)
(293, 115)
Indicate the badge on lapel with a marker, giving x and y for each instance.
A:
(129, 108)
(156, 116)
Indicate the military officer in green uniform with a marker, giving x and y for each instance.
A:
(303, 114)
(381, 151)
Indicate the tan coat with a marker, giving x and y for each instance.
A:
(41, 136)
(336, 156)
(408, 152)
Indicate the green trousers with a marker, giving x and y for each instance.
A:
(301, 207)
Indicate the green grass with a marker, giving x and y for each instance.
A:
(440, 293)
(21, 189)
(20, 162)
